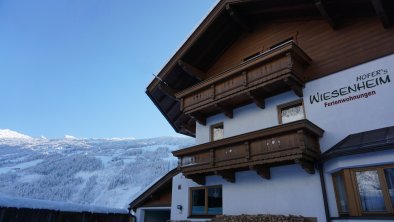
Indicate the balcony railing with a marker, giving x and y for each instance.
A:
(290, 143)
(272, 72)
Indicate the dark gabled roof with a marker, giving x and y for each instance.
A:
(364, 142)
(161, 184)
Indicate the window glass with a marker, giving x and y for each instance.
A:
(294, 113)
(214, 200)
(198, 201)
(389, 173)
(206, 201)
(340, 188)
(370, 191)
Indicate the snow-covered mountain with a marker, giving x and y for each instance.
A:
(9, 134)
(101, 172)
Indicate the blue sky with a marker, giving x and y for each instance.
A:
(72, 67)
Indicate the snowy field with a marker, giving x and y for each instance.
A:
(101, 172)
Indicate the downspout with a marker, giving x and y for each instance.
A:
(132, 215)
(324, 191)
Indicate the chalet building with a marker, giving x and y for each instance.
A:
(292, 107)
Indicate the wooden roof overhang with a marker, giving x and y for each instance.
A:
(231, 19)
(295, 142)
(155, 190)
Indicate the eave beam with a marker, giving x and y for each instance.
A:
(187, 128)
(382, 13)
(259, 101)
(238, 19)
(167, 90)
(199, 118)
(191, 70)
(322, 7)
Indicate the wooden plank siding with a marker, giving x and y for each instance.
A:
(157, 195)
(358, 41)
(161, 199)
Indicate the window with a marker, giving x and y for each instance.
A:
(365, 191)
(217, 132)
(339, 183)
(290, 112)
(206, 201)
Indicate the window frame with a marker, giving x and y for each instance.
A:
(337, 198)
(205, 188)
(211, 130)
(290, 105)
(353, 194)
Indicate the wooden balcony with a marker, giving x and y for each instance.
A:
(295, 142)
(269, 73)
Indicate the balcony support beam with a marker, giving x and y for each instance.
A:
(199, 118)
(259, 101)
(382, 13)
(263, 171)
(227, 175)
(308, 166)
(294, 86)
(322, 7)
(238, 19)
(191, 70)
(197, 178)
(167, 90)
(225, 110)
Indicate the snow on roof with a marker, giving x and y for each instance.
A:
(7, 201)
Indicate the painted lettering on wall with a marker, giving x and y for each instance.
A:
(358, 90)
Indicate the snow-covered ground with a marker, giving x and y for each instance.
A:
(101, 172)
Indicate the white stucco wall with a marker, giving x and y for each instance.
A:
(180, 196)
(289, 191)
(355, 116)
(351, 117)
(245, 119)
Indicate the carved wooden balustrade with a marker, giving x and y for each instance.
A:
(295, 142)
(269, 73)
